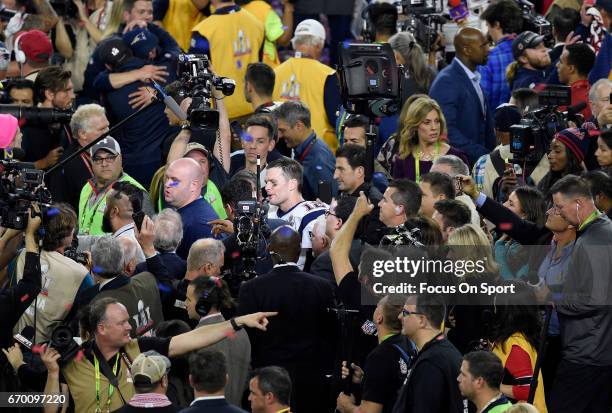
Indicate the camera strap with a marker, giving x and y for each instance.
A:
(303, 155)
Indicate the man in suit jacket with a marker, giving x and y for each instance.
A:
(299, 338)
(208, 377)
(469, 120)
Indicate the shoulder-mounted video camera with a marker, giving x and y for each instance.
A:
(197, 82)
(20, 185)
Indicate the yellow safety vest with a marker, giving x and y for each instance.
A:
(180, 19)
(260, 10)
(234, 40)
(303, 79)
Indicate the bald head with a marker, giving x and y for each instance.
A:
(206, 257)
(471, 47)
(183, 182)
(285, 243)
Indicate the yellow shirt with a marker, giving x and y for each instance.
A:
(303, 79)
(235, 40)
(180, 19)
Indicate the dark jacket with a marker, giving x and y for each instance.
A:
(301, 331)
(527, 78)
(370, 229)
(212, 406)
(469, 129)
(175, 265)
(15, 300)
(322, 265)
(195, 217)
(584, 312)
(67, 182)
(432, 383)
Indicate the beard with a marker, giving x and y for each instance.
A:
(106, 224)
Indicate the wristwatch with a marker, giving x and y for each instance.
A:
(235, 325)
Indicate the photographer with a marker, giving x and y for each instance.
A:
(14, 301)
(42, 143)
(112, 346)
(235, 191)
(63, 277)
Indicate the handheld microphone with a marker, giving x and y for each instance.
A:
(169, 102)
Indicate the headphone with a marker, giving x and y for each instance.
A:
(210, 296)
(20, 56)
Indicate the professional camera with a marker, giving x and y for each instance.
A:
(251, 224)
(530, 139)
(533, 22)
(35, 115)
(423, 19)
(63, 342)
(369, 79)
(20, 185)
(197, 82)
(73, 253)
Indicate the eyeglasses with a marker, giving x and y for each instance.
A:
(406, 313)
(100, 161)
(328, 213)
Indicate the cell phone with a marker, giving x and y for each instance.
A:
(458, 185)
(325, 191)
(138, 217)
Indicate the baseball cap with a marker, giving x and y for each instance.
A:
(149, 368)
(36, 45)
(310, 27)
(194, 146)
(113, 51)
(8, 128)
(506, 116)
(604, 4)
(525, 40)
(109, 144)
(141, 41)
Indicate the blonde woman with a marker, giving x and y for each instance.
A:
(422, 139)
(469, 314)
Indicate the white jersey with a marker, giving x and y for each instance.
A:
(302, 218)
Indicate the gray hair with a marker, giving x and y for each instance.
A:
(168, 230)
(307, 40)
(292, 112)
(81, 118)
(130, 249)
(318, 227)
(202, 251)
(456, 164)
(594, 89)
(107, 257)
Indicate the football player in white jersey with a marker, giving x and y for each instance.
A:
(284, 189)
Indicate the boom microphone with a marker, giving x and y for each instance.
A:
(169, 102)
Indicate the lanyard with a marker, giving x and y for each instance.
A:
(308, 148)
(417, 162)
(284, 410)
(111, 388)
(101, 197)
(588, 220)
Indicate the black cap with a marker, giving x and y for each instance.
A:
(506, 116)
(114, 52)
(525, 40)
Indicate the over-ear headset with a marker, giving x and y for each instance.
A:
(20, 56)
(209, 297)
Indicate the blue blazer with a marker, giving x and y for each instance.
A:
(212, 406)
(468, 128)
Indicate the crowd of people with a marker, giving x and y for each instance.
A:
(231, 265)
